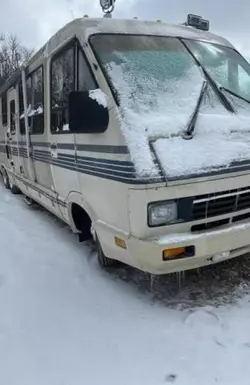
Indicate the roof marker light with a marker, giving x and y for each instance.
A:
(197, 22)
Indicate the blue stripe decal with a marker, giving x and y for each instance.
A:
(101, 148)
(125, 177)
(108, 149)
(92, 163)
(123, 171)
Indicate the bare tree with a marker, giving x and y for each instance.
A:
(12, 55)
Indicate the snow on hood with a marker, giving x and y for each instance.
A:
(206, 152)
(152, 108)
(220, 139)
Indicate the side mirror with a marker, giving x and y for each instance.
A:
(88, 112)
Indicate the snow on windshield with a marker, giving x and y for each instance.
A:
(157, 95)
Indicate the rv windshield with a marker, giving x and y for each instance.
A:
(156, 76)
(159, 84)
(146, 67)
(148, 73)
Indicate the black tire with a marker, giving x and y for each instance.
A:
(14, 189)
(6, 180)
(102, 259)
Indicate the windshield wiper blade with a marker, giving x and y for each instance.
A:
(219, 93)
(234, 94)
(213, 84)
(188, 134)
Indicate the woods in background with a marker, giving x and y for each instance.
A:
(12, 55)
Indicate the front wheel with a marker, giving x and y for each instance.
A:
(14, 189)
(102, 259)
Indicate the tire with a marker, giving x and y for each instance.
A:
(14, 189)
(102, 259)
(6, 180)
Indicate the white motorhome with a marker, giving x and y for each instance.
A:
(136, 133)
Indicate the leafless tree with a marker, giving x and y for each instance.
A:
(12, 55)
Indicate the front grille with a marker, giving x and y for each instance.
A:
(226, 202)
(219, 223)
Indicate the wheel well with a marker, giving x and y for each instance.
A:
(82, 221)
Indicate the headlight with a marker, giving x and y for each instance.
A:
(162, 213)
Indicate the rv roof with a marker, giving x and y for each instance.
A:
(136, 26)
(87, 26)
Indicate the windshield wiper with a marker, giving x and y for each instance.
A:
(214, 85)
(218, 92)
(234, 94)
(188, 134)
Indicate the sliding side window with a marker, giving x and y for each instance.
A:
(70, 71)
(35, 103)
(62, 83)
(4, 110)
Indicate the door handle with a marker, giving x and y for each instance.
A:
(53, 146)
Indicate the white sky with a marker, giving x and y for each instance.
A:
(34, 22)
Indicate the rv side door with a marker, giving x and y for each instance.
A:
(61, 142)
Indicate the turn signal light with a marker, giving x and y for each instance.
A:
(178, 252)
(120, 243)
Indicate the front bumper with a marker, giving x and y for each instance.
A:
(146, 254)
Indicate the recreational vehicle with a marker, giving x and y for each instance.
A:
(136, 134)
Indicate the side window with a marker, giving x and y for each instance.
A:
(69, 72)
(243, 82)
(62, 83)
(4, 109)
(21, 110)
(29, 91)
(86, 81)
(34, 87)
(12, 117)
(37, 114)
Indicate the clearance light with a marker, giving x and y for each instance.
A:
(197, 22)
(178, 252)
(120, 243)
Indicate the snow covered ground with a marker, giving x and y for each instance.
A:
(64, 321)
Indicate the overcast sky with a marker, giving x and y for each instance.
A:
(35, 21)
